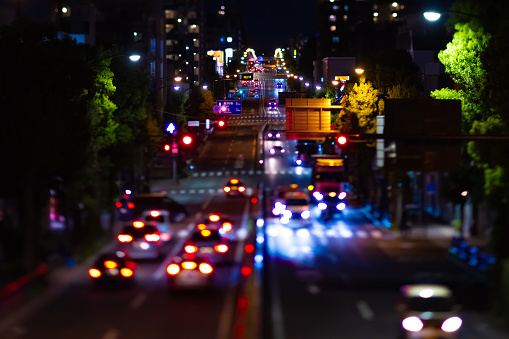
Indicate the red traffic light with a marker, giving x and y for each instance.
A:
(167, 147)
(342, 140)
(221, 123)
(187, 140)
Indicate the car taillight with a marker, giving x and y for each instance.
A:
(152, 237)
(118, 204)
(189, 265)
(138, 224)
(165, 236)
(412, 324)
(154, 214)
(110, 264)
(124, 238)
(222, 248)
(94, 273)
(452, 324)
(242, 188)
(206, 233)
(205, 268)
(126, 273)
(191, 249)
(173, 269)
(214, 218)
(227, 226)
(201, 227)
(227, 189)
(130, 205)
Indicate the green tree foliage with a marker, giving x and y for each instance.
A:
(361, 108)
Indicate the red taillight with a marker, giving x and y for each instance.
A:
(214, 217)
(206, 233)
(152, 237)
(205, 268)
(249, 248)
(94, 273)
(130, 205)
(201, 227)
(189, 265)
(110, 264)
(138, 224)
(124, 238)
(227, 189)
(242, 188)
(118, 204)
(126, 273)
(173, 269)
(191, 249)
(165, 236)
(154, 214)
(227, 226)
(245, 271)
(222, 248)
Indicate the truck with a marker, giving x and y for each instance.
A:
(330, 184)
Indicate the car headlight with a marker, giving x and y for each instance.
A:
(322, 206)
(305, 214)
(412, 324)
(284, 220)
(287, 214)
(341, 206)
(342, 195)
(318, 196)
(298, 162)
(452, 324)
(272, 151)
(278, 135)
(269, 135)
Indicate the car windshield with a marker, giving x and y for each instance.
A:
(296, 202)
(430, 304)
(333, 177)
(139, 232)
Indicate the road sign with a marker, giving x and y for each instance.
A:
(171, 128)
(193, 123)
(232, 106)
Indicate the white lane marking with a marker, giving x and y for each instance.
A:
(223, 330)
(278, 331)
(112, 333)
(138, 300)
(313, 289)
(364, 310)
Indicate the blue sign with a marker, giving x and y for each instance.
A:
(171, 128)
(232, 106)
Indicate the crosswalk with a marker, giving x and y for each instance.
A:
(257, 117)
(290, 171)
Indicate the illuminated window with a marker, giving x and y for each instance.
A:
(345, 8)
(375, 7)
(169, 14)
(335, 39)
(345, 17)
(332, 18)
(332, 28)
(168, 28)
(335, 8)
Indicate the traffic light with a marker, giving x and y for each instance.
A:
(187, 140)
(167, 147)
(342, 140)
(221, 123)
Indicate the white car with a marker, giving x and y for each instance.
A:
(297, 210)
(428, 311)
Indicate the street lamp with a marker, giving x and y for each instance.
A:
(434, 16)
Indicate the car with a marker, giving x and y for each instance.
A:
(159, 218)
(189, 272)
(277, 151)
(158, 201)
(273, 134)
(113, 268)
(234, 187)
(140, 241)
(272, 104)
(216, 221)
(279, 85)
(428, 311)
(209, 244)
(253, 93)
(257, 84)
(330, 202)
(124, 207)
(279, 197)
(297, 210)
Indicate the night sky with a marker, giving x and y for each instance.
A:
(269, 24)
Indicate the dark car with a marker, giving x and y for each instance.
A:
(277, 151)
(234, 187)
(272, 104)
(158, 201)
(113, 267)
(279, 85)
(189, 272)
(209, 244)
(273, 134)
(140, 241)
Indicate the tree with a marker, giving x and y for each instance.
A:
(362, 104)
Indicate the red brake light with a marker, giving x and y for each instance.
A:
(173, 269)
(205, 268)
(154, 214)
(214, 217)
(130, 205)
(206, 233)
(124, 238)
(152, 237)
(222, 248)
(118, 204)
(249, 248)
(227, 226)
(201, 227)
(227, 189)
(126, 273)
(189, 265)
(110, 264)
(242, 188)
(138, 224)
(94, 273)
(191, 249)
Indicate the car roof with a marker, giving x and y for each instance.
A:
(426, 291)
(296, 195)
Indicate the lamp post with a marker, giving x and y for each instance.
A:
(434, 16)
